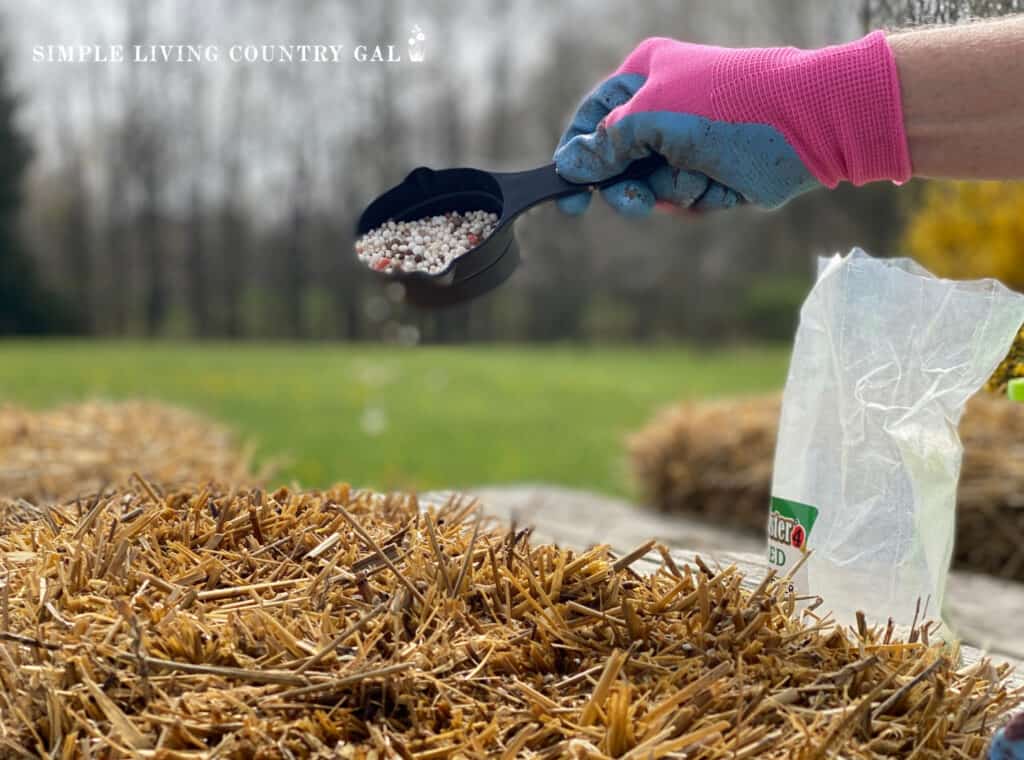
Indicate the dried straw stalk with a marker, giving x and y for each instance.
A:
(237, 624)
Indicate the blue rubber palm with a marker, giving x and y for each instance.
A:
(713, 164)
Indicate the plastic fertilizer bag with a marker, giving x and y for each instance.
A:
(868, 457)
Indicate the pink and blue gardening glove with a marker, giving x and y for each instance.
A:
(756, 126)
(1008, 743)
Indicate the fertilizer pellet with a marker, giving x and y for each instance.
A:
(426, 245)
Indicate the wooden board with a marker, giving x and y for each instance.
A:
(579, 519)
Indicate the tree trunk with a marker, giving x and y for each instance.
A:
(78, 246)
(155, 312)
(234, 253)
(295, 259)
(195, 268)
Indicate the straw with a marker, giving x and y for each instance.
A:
(76, 450)
(372, 629)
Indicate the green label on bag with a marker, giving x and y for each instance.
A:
(790, 522)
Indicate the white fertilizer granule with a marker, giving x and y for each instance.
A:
(426, 245)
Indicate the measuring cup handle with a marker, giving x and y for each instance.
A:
(639, 169)
(522, 190)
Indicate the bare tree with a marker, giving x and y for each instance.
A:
(196, 269)
(451, 132)
(149, 155)
(478, 321)
(234, 236)
(344, 272)
(196, 275)
(367, 154)
(121, 145)
(915, 12)
(76, 237)
(296, 248)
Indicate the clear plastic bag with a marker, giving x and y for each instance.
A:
(868, 456)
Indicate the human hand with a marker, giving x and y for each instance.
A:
(1008, 743)
(756, 126)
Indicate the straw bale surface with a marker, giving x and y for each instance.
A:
(242, 624)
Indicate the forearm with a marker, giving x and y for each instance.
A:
(963, 99)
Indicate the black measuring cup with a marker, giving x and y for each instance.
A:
(429, 192)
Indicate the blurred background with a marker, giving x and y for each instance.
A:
(190, 224)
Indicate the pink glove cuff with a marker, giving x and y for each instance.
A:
(839, 107)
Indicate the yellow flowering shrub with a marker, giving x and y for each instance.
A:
(966, 230)
(970, 229)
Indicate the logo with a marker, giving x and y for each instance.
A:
(238, 53)
(417, 46)
(785, 530)
(790, 522)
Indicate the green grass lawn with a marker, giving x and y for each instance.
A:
(389, 416)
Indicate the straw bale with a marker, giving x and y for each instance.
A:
(710, 458)
(341, 623)
(714, 460)
(74, 450)
(1010, 367)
